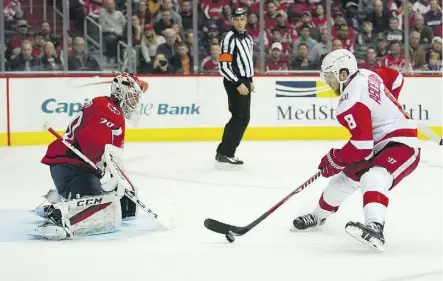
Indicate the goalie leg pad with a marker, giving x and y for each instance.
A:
(129, 208)
(90, 215)
(75, 182)
(95, 215)
(113, 161)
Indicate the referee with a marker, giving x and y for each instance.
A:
(236, 66)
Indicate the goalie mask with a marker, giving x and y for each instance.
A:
(126, 90)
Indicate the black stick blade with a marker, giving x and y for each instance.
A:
(219, 227)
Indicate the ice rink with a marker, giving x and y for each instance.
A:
(180, 178)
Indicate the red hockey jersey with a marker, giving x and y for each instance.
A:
(99, 123)
(392, 79)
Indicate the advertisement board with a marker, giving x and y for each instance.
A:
(296, 101)
(167, 104)
(286, 101)
(34, 101)
(422, 99)
(299, 101)
(3, 113)
(196, 108)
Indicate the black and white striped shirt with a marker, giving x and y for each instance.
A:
(235, 62)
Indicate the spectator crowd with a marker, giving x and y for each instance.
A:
(296, 34)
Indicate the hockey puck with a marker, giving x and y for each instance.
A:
(230, 237)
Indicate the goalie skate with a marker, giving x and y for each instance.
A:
(370, 235)
(45, 211)
(49, 230)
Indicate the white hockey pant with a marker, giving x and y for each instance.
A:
(374, 185)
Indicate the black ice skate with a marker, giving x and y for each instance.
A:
(371, 234)
(225, 162)
(307, 221)
(48, 212)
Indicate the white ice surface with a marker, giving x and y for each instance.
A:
(182, 175)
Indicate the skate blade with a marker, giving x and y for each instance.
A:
(373, 243)
(307, 230)
(48, 237)
(38, 212)
(227, 166)
(49, 232)
(133, 218)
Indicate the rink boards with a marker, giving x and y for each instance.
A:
(195, 108)
(3, 112)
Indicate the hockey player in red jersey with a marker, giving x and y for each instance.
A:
(98, 130)
(392, 79)
(382, 151)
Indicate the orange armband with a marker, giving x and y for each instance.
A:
(225, 57)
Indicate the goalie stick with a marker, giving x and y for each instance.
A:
(231, 230)
(128, 193)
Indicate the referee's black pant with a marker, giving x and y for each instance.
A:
(240, 108)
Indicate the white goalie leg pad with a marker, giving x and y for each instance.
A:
(375, 186)
(113, 159)
(95, 215)
(89, 215)
(129, 208)
(109, 184)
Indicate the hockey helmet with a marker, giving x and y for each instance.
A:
(126, 90)
(337, 61)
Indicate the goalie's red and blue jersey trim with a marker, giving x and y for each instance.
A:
(303, 89)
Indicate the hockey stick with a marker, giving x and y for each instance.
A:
(128, 194)
(230, 230)
(430, 134)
